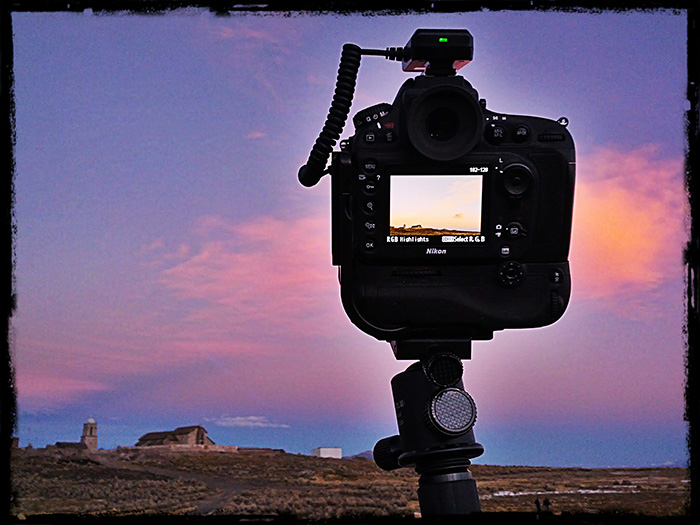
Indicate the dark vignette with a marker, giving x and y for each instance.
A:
(8, 226)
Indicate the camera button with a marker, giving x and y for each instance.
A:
(505, 250)
(369, 166)
(369, 187)
(370, 137)
(495, 133)
(556, 276)
(370, 226)
(368, 245)
(369, 207)
(517, 179)
(515, 230)
(511, 274)
(522, 134)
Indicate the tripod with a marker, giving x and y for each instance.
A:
(435, 417)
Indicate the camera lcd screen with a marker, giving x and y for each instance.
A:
(436, 209)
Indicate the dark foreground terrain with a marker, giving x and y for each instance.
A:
(272, 485)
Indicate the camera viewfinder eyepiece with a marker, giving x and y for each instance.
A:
(445, 122)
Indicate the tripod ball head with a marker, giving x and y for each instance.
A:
(435, 417)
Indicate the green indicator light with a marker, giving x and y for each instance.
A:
(442, 39)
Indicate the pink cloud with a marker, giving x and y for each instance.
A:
(261, 289)
(266, 274)
(156, 245)
(628, 228)
(254, 135)
(241, 32)
(43, 389)
(264, 291)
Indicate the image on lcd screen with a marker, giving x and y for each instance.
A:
(423, 207)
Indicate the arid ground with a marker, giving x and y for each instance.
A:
(274, 484)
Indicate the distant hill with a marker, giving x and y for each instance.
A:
(367, 454)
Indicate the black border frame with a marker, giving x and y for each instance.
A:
(8, 227)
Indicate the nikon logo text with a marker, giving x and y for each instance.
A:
(435, 251)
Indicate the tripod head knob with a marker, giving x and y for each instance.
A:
(386, 453)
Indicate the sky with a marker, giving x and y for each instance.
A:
(170, 270)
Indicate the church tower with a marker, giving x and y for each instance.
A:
(90, 435)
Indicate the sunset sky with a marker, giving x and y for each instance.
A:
(171, 271)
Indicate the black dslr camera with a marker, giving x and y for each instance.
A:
(449, 221)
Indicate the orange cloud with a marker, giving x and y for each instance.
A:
(629, 229)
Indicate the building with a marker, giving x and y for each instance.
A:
(328, 452)
(88, 441)
(193, 435)
(89, 437)
(68, 446)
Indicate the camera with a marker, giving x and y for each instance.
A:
(449, 221)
